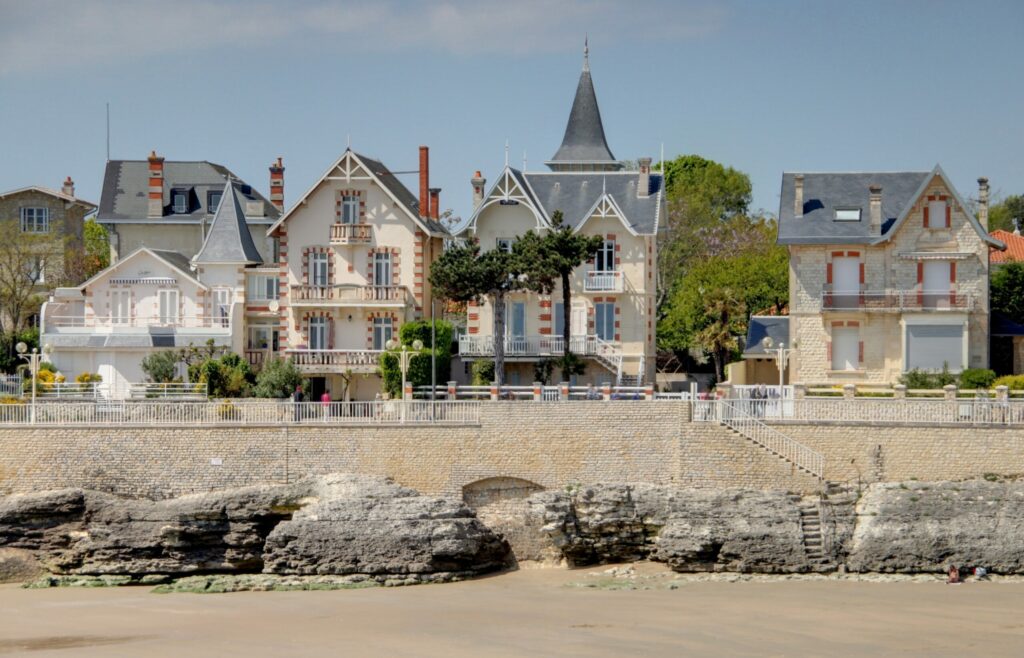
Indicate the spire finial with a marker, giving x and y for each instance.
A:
(586, 52)
(506, 151)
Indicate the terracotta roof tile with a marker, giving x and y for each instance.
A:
(1014, 247)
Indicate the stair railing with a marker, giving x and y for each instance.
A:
(739, 420)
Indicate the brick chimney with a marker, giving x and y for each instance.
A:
(277, 184)
(875, 212)
(478, 182)
(435, 202)
(156, 185)
(983, 202)
(424, 181)
(798, 195)
(643, 183)
(68, 187)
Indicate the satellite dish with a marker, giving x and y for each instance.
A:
(274, 306)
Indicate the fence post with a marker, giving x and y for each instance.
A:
(606, 392)
(453, 390)
(563, 391)
(1002, 393)
(538, 389)
(494, 391)
(849, 391)
(649, 392)
(899, 392)
(949, 392)
(799, 391)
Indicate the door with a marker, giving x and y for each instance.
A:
(318, 333)
(936, 284)
(222, 305)
(515, 327)
(120, 306)
(578, 327)
(845, 348)
(604, 320)
(168, 306)
(845, 282)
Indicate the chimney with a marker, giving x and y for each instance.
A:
(983, 202)
(277, 185)
(798, 195)
(643, 183)
(478, 182)
(69, 187)
(156, 185)
(424, 181)
(435, 202)
(875, 227)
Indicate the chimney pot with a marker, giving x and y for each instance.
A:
(435, 202)
(478, 182)
(798, 195)
(983, 202)
(68, 187)
(875, 226)
(643, 184)
(424, 181)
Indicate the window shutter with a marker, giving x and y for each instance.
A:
(862, 273)
(920, 271)
(330, 332)
(926, 216)
(828, 273)
(952, 272)
(949, 216)
(860, 352)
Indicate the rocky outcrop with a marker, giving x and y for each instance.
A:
(690, 530)
(918, 527)
(341, 525)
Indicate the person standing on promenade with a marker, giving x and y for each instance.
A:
(325, 402)
(296, 402)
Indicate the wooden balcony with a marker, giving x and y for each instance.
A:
(347, 234)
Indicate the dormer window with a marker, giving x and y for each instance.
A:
(847, 215)
(179, 202)
(212, 201)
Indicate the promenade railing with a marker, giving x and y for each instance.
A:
(905, 411)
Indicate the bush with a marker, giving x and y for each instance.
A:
(9, 359)
(542, 370)
(226, 377)
(89, 378)
(977, 378)
(160, 367)
(483, 372)
(570, 365)
(1014, 382)
(277, 379)
(419, 364)
(914, 379)
(46, 366)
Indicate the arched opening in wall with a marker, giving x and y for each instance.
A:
(501, 503)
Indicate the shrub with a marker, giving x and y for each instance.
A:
(89, 378)
(1014, 382)
(571, 365)
(977, 378)
(160, 367)
(483, 372)
(277, 379)
(226, 377)
(47, 367)
(418, 373)
(542, 370)
(913, 379)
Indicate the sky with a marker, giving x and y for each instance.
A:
(763, 86)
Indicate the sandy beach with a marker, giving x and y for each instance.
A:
(549, 612)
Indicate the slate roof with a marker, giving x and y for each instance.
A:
(1004, 326)
(175, 258)
(775, 326)
(125, 193)
(400, 191)
(1014, 247)
(229, 240)
(825, 192)
(576, 193)
(584, 140)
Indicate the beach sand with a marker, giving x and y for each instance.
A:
(531, 612)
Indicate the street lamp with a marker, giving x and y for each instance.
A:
(32, 358)
(781, 357)
(404, 354)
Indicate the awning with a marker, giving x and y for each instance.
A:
(934, 255)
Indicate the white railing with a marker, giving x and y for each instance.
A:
(306, 359)
(603, 281)
(240, 412)
(536, 346)
(547, 393)
(73, 390)
(11, 385)
(911, 410)
(176, 390)
(350, 233)
(349, 294)
(896, 300)
(137, 321)
(737, 418)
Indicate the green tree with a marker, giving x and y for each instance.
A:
(161, 367)
(1002, 214)
(278, 378)
(1007, 290)
(463, 274)
(549, 261)
(419, 373)
(96, 247)
(717, 334)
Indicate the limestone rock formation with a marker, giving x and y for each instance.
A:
(926, 526)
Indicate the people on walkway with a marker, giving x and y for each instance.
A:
(297, 402)
(325, 402)
(592, 393)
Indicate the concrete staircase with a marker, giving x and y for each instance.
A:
(810, 525)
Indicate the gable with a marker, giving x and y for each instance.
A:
(511, 189)
(142, 264)
(606, 208)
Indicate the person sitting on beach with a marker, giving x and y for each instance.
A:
(954, 575)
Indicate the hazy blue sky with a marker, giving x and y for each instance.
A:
(762, 86)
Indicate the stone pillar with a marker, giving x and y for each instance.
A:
(494, 391)
(649, 392)
(799, 391)
(1002, 393)
(453, 391)
(724, 390)
(899, 392)
(538, 391)
(606, 392)
(849, 391)
(949, 392)
(563, 391)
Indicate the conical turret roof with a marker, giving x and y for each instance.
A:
(584, 142)
(229, 239)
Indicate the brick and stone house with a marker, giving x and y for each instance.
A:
(52, 221)
(355, 255)
(160, 299)
(169, 204)
(889, 272)
(613, 295)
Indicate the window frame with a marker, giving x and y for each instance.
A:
(504, 244)
(169, 294)
(383, 331)
(604, 257)
(848, 218)
(350, 209)
(383, 263)
(318, 267)
(845, 332)
(211, 207)
(179, 194)
(316, 327)
(38, 216)
(604, 321)
(264, 288)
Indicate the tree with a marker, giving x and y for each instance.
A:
(549, 260)
(161, 367)
(96, 247)
(463, 274)
(25, 258)
(1002, 214)
(277, 379)
(419, 373)
(1007, 290)
(717, 336)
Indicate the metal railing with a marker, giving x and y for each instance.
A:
(353, 294)
(603, 281)
(241, 412)
(978, 411)
(536, 346)
(306, 359)
(11, 385)
(138, 321)
(175, 390)
(738, 419)
(545, 393)
(351, 233)
(896, 300)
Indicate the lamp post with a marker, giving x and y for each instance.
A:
(404, 354)
(32, 358)
(782, 354)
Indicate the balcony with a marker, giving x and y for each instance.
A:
(334, 361)
(530, 345)
(896, 301)
(346, 234)
(603, 281)
(349, 295)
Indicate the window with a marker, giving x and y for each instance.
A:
(318, 268)
(382, 332)
(212, 201)
(179, 201)
(382, 268)
(604, 260)
(318, 333)
(275, 249)
(120, 306)
(847, 215)
(35, 220)
(222, 305)
(35, 270)
(505, 244)
(263, 287)
(515, 320)
(936, 215)
(845, 348)
(936, 282)
(350, 209)
(559, 318)
(604, 320)
(168, 306)
(262, 337)
(934, 346)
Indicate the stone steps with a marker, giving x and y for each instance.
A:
(814, 545)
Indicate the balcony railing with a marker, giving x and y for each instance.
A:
(133, 321)
(602, 281)
(896, 301)
(530, 345)
(334, 360)
(342, 234)
(349, 294)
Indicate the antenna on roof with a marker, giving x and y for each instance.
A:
(506, 151)
(108, 131)
(524, 159)
(586, 52)
(348, 140)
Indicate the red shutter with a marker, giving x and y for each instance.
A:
(828, 273)
(860, 352)
(952, 272)
(949, 215)
(862, 273)
(926, 216)
(330, 333)
(920, 282)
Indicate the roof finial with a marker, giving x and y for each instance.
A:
(348, 140)
(604, 185)
(506, 151)
(586, 52)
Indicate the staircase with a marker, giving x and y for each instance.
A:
(810, 526)
(740, 421)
